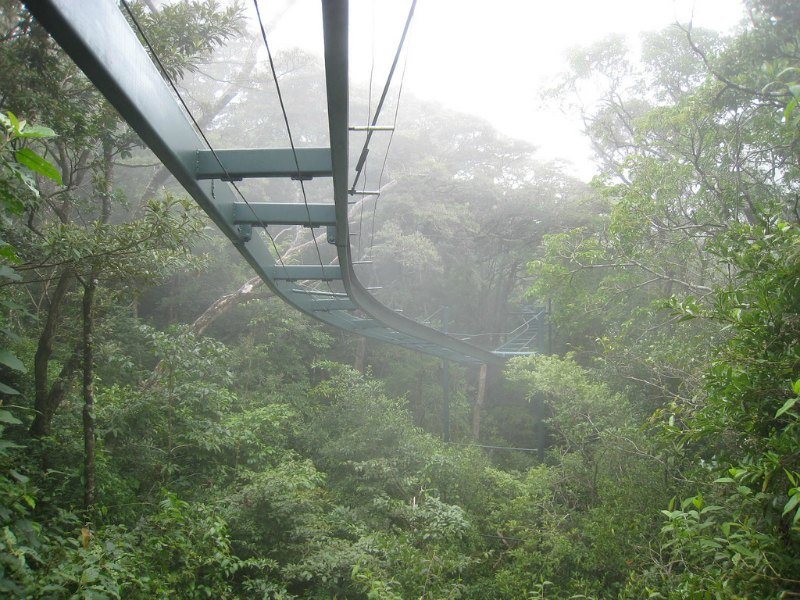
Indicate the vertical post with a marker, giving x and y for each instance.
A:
(90, 288)
(479, 399)
(538, 425)
(445, 384)
(543, 346)
(542, 333)
(361, 355)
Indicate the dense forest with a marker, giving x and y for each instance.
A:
(170, 429)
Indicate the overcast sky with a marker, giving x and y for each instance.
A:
(491, 58)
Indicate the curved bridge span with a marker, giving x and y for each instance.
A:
(99, 39)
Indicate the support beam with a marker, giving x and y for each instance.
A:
(263, 162)
(277, 213)
(371, 127)
(364, 192)
(320, 293)
(303, 272)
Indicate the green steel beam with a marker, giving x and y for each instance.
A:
(100, 41)
(283, 213)
(263, 162)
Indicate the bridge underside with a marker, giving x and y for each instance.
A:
(100, 41)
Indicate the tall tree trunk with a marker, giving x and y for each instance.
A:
(480, 398)
(89, 290)
(419, 407)
(539, 431)
(90, 287)
(252, 288)
(45, 403)
(63, 383)
(361, 355)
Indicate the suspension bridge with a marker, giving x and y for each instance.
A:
(97, 36)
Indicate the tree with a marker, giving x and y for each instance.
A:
(54, 231)
(686, 281)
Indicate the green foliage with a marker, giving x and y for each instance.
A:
(684, 295)
(579, 521)
(246, 462)
(583, 409)
(747, 426)
(20, 163)
(185, 33)
(281, 341)
(17, 499)
(141, 251)
(172, 427)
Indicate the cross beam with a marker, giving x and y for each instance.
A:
(283, 213)
(232, 165)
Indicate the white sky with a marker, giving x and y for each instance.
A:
(492, 58)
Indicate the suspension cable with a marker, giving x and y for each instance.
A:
(289, 133)
(365, 149)
(369, 119)
(386, 154)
